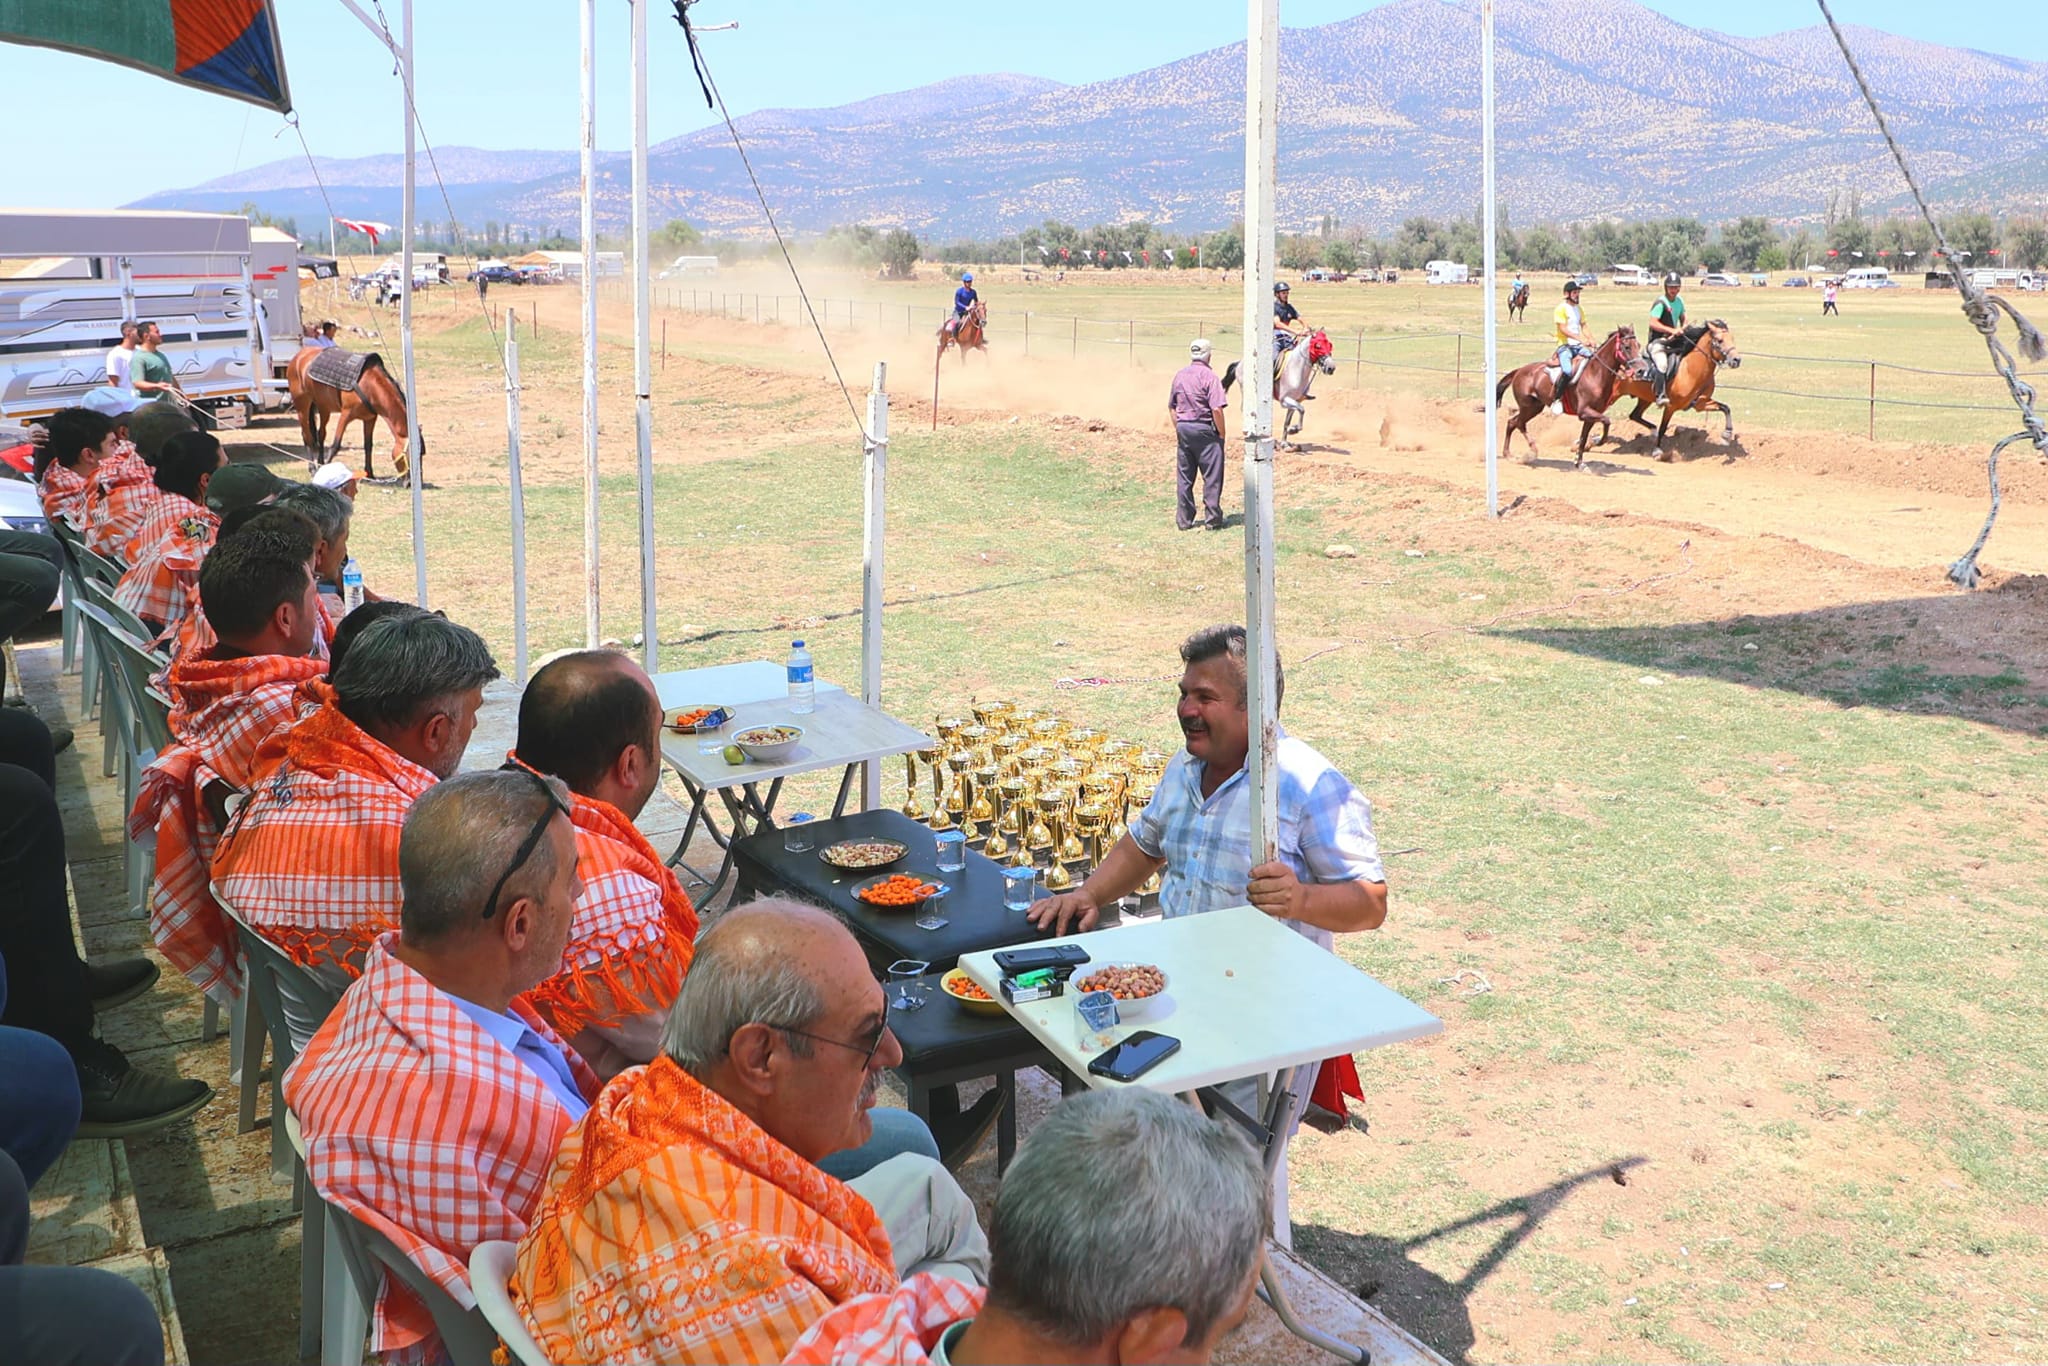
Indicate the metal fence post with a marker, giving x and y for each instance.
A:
(1358, 362)
(1873, 400)
(1027, 332)
(1076, 348)
(1130, 342)
(1458, 367)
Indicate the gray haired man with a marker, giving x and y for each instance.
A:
(1196, 402)
(1130, 1228)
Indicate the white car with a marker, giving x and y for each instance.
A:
(1720, 279)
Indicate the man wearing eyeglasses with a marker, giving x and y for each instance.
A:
(434, 1097)
(311, 860)
(690, 1195)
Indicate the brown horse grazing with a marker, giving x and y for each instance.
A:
(376, 395)
(1586, 396)
(967, 335)
(1708, 347)
(1518, 302)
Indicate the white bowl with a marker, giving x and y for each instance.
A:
(1144, 1008)
(770, 751)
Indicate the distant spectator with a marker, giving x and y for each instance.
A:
(121, 360)
(152, 375)
(339, 477)
(322, 336)
(1827, 300)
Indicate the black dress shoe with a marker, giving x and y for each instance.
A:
(60, 739)
(122, 1101)
(119, 982)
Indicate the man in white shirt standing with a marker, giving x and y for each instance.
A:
(121, 360)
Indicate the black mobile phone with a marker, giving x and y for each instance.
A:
(1014, 961)
(1135, 1056)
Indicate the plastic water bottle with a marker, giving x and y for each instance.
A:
(803, 689)
(351, 585)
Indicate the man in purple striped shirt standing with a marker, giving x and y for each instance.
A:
(1196, 404)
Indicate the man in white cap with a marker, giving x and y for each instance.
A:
(1195, 403)
(337, 476)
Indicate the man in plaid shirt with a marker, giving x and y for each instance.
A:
(434, 1098)
(163, 571)
(593, 720)
(226, 701)
(1130, 1228)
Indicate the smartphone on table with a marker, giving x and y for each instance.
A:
(1135, 1056)
(1014, 961)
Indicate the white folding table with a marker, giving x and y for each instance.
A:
(1247, 998)
(842, 732)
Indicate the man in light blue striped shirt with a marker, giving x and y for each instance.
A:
(1327, 879)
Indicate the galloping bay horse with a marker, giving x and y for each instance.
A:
(1708, 347)
(1586, 396)
(1518, 302)
(374, 394)
(967, 336)
(1297, 373)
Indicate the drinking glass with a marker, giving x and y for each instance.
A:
(1020, 886)
(800, 836)
(906, 990)
(952, 846)
(932, 915)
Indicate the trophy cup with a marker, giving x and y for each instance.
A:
(958, 762)
(1052, 805)
(1072, 850)
(1038, 836)
(983, 810)
(911, 806)
(940, 819)
(997, 793)
(1091, 822)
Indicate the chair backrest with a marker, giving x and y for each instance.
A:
(490, 1271)
(131, 664)
(101, 630)
(294, 998)
(467, 1336)
(102, 594)
(98, 567)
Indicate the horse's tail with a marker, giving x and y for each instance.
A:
(1500, 390)
(1229, 375)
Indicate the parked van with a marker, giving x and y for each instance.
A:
(1626, 274)
(1867, 277)
(1447, 273)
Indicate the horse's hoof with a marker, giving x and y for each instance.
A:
(1662, 456)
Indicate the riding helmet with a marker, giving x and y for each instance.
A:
(1280, 288)
(1672, 279)
(968, 278)
(1571, 286)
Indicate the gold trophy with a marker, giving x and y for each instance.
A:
(991, 714)
(1039, 837)
(958, 762)
(983, 811)
(997, 794)
(940, 819)
(1072, 850)
(911, 806)
(1091, 822)
(1086, 740)
(1015, 792)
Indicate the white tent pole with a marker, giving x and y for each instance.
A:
(518, 494)
(643, 369)
(875, 481)
(412, 388)
(1261, 156)
(589, 197)
(1487, 233)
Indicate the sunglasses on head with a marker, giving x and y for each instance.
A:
(533, 836)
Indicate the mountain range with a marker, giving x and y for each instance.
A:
(1604, 109)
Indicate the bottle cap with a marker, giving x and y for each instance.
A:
(796, 645)
(800, 817)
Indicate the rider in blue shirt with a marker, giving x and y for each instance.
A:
(964, 298)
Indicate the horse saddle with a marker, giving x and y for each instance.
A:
(342, 369)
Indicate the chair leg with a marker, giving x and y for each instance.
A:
(283, 1160)
(209, 1021)
(344, 1314)
(246, 1033)
(312, 1237)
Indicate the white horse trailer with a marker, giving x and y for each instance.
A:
(1447, 273)
(69, 279)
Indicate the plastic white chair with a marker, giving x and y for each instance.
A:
(490, 1271)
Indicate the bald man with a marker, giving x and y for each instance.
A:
(707, 1159)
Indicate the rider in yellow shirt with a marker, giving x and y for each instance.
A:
(1572, 348)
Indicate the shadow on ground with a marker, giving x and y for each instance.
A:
(1979, 656)
(1384, 1272)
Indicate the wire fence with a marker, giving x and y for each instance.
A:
(1876, 397)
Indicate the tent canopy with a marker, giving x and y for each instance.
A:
(228, 47)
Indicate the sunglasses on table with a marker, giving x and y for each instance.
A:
(533, 836)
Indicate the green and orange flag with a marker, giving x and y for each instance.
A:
(229, 47)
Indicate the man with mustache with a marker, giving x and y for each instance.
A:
(686, 1218)
(1326, 881)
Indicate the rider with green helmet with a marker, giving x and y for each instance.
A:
(1667, 333)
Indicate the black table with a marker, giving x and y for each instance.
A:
(945, 1044)
(974, 908)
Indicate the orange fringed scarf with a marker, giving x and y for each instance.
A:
(311, 861)
(632, 934)
(675, 1229)
(65, 493)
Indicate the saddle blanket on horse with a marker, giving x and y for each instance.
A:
(342, 369)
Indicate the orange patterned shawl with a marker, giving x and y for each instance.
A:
(122, 494)
(633, 932)
(674, 1229)
(65, 492)
(222, 710)
(312, 858)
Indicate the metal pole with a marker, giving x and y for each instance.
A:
(590, 577)
(875, 480)
(643, 314)
(518, 495)
(1873, 400)
(412, 388)
(1487, 234)
(1261, 157)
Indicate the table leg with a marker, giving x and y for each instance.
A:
(845, 789)
(1271, 1292)
(1006, 1123)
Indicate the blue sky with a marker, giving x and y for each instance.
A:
(504, 74)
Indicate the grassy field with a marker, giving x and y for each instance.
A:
(1758, 1074)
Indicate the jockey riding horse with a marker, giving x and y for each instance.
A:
(1572, 347)
(964, 299)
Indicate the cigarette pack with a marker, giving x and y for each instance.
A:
(1018, 995)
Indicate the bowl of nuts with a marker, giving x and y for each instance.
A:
(1139, 988)
(766, 744)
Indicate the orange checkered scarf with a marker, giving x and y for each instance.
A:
(65, 492)
(312, 858)
(162, 582)
(633, 932)
(194, 636)
(889, 1330)
(675, 1229)
(222, 711)
(123, 491)
(427, 1129)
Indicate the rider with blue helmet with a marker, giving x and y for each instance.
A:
(1287, 324)
(964, 297)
